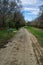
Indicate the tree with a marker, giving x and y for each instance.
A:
(18, 19)
(4, 8)
(10, 13)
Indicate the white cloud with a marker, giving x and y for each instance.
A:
(32, 2)
(29, 1)
(34, 11)
(32, 8)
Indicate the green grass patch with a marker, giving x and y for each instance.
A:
(37, 32)
(5, 35)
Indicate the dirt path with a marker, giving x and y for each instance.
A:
(19, 50)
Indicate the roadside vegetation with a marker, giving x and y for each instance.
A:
(6, 35)
(37, 32)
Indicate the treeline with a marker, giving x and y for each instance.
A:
(38, 22)
(10, 14)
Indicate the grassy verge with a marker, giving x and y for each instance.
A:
(5, 35)
(37, 32)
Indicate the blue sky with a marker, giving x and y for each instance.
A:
(31, 9)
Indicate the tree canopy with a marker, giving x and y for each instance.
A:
(10, 13)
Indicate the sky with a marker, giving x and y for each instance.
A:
(31, 9)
